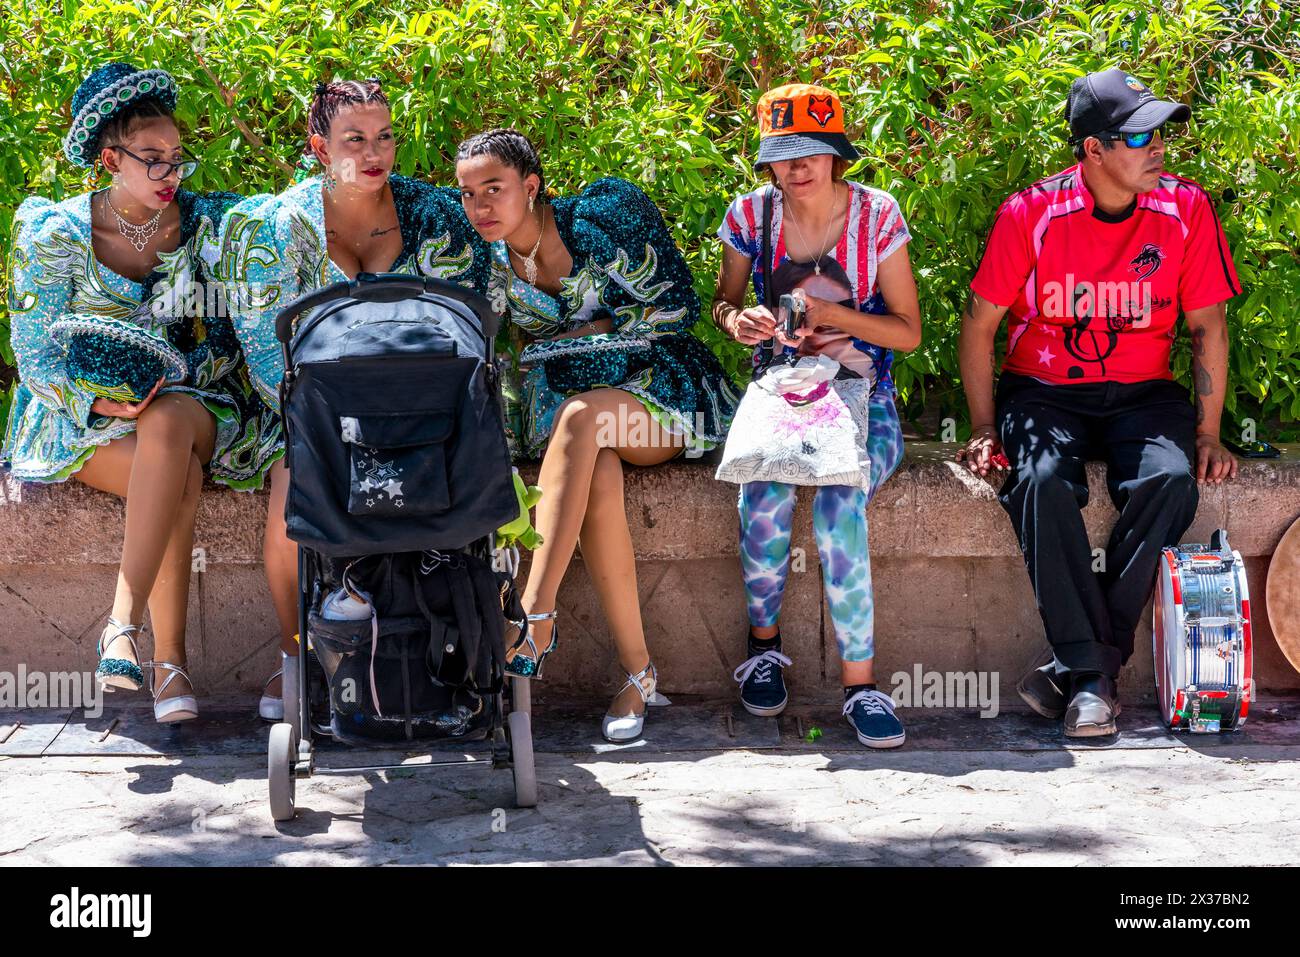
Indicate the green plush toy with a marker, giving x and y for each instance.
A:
(521, 531)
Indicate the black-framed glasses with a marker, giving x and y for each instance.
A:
(1134, 141)
(158, 170)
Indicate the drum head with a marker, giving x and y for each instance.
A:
(1282, 595)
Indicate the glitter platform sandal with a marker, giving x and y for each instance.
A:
(123, 673)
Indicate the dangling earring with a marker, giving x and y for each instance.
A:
(330, 181)
(530, 202)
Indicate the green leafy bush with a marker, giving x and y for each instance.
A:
(956, 105)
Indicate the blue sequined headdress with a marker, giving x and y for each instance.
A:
(114, 359)
(102, 95)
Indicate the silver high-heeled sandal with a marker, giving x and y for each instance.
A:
(119, 672)
(621, 728)
(181, 707)
(525, 666)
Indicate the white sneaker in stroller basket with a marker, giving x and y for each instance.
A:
(399, 476)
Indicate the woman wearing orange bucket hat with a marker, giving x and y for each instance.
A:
(838, 248)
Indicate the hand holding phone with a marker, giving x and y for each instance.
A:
(792, 309)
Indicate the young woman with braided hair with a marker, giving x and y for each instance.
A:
(597, 286)
(354, 216)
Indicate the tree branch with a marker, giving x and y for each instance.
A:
(228, 97)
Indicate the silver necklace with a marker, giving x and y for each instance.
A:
(530, 261)
(137, 235)
(817, 263)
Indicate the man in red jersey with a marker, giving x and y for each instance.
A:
(1093, 267)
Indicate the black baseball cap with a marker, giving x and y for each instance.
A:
(1117, 100)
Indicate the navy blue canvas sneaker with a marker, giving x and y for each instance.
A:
(871, 713)
(762, 687)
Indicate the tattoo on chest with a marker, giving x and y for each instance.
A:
(333, 234)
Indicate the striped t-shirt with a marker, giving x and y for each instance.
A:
(874, 229)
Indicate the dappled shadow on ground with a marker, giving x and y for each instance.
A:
(708, 784)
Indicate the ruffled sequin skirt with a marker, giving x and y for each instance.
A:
(683, 388)
(43, 445)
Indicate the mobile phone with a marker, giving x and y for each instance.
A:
(1253, 450)
(794, 310)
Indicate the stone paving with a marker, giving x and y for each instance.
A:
(709, 785)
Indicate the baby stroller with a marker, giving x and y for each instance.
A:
(399, 476)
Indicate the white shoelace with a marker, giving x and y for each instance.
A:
(876, 702)
(764, 663)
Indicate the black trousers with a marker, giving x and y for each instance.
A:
(1145, 433)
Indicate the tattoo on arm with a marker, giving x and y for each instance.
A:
(1202, 383)
(968, 315)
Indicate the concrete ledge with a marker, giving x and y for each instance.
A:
(951, 590)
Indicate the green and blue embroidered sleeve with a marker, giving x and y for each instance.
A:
(267, 257)
(46, 256)
(647, 285)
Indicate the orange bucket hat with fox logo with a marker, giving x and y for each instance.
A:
(799, 119)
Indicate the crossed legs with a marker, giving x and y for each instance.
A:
(582, 502)
(159, 471)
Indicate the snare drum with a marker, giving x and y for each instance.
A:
(1201, 637)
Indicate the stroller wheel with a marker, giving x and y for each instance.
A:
(521, 695)
(279, 771)
(521, 755)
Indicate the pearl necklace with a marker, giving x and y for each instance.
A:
(137, 235)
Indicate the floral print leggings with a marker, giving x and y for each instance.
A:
(840, 529)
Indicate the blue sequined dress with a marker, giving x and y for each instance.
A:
(626, 268)
(51, 431)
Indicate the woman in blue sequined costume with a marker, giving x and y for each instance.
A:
(355, 216)
(595, 287)
(140, 251)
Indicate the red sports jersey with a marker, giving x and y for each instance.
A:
(1095, 297)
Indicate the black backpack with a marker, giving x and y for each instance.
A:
(393, 421)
